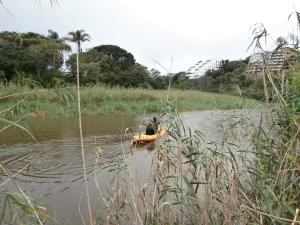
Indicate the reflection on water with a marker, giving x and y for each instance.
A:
(50, 171)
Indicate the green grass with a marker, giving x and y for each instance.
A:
(104, 100)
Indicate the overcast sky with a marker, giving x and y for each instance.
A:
(187, 30)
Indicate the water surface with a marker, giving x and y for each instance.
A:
(50, 170)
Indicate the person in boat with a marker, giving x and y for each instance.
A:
(152, 127)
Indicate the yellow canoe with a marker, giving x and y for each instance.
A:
(148, 138)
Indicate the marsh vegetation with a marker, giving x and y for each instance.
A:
(117, 100)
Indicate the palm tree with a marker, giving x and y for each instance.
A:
(78, 36)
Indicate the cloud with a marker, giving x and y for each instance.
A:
(188, 31)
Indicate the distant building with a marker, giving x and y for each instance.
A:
(274, 61)
(199, 69)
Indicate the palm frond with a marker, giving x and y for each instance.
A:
(85, 37)
(78, 36)
(71, 33)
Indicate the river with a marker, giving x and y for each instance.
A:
(50, 170)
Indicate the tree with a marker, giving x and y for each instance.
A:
(53, 35)
(78, 36)
(58, 46)
(33, 55)
(179, 80)
(13, 59)
(110, 65)
(48, 59)
(157, 80)
(119, 55)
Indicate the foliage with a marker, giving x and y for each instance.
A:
(78, 36)
(101, 99)
(41, 59)
(157, 80)
(13, 58)
(110, 65)
(229, 77)
(118, 55)
(179, 80)
(32, 55)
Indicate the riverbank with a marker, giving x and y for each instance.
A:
(105, 100)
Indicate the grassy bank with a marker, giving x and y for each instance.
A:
(104, 100)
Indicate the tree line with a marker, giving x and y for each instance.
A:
(34, 59)
(229, 77)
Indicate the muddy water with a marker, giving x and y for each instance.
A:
(50, 170)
